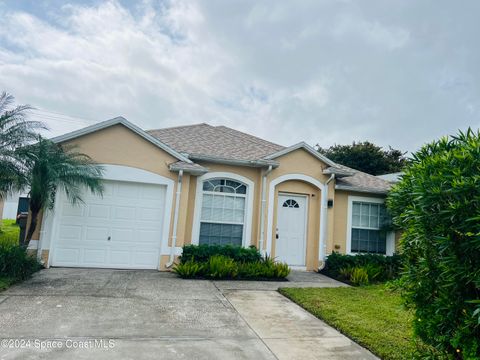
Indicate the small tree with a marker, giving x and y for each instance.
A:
(49, 168)
(366, 157)
(15, 131)
(437, 203)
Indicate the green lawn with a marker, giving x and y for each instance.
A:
(9, 232)
(372, 316)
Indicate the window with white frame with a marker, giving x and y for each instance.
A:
(222, 216)
(367, 235)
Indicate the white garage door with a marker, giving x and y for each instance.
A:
(122, 229)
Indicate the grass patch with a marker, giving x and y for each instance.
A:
(372, 316)
(9, 232)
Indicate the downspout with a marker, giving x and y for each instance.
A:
(323, 225)
(175, 219)
(262, 210)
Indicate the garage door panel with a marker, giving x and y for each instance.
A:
(145, 258)
(96, 234)
(125, 235)
(127, 190)
(124, 213)
(151, 193)
(99, 211)
(70, 232)
(146, 236)
(68, 209)
(120, 258)
(94, 256)
(131, 214)
(67, 256)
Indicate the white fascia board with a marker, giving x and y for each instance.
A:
(306, 147)
(127, 124)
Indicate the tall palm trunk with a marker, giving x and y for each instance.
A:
(32, 227)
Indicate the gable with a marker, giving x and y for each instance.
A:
(119, 145)
(300, 161)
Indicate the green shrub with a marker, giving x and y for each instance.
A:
(189, 269)
(281, 270)
(15, 263)
(220, 267)
(251, 270)
(378, 267)
(263, 270)
(225, 267)
(359, 276)
(437, 204)
(202, 253)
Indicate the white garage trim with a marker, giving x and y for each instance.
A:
(247, 229)
(49, 229)
(271, 204)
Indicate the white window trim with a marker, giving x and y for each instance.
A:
(117, 173)
(390, 245)
(247, 225)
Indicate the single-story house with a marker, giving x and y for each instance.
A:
(203, 184)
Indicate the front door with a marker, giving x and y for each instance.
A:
(291, 229)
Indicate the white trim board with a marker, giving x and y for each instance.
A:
(115, 173)
(271, 203)
(247, 228)
(390, 245)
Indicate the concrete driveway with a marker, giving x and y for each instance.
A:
(103, 314)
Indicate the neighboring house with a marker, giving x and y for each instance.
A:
(203, 184)
(9, 206)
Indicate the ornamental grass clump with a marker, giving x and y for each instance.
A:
(228, 262)
(437, 204)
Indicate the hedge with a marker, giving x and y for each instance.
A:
(378, 267)
(437, 203)
(202, 253)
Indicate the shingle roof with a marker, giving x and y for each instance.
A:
(361, 181)
(225, 143)
(215, 141)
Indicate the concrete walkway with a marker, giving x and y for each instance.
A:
(106, 314)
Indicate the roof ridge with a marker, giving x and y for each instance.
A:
(251, 138)
(180, 126)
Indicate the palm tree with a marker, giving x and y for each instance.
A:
(15, 131)
(50, 168)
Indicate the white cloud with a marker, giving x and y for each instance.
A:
(321, 71)
(373, 32)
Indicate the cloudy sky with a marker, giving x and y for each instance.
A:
(394, 72)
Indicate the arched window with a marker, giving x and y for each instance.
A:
(290, 203)
(223, 212)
